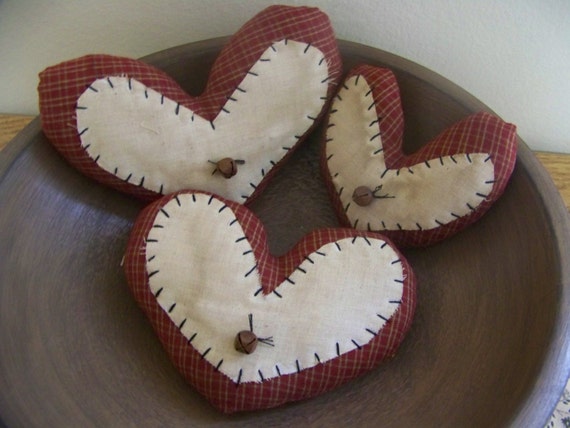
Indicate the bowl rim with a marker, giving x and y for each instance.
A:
(557, 357)
(540, 398)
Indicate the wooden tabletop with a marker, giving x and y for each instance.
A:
(557, 164)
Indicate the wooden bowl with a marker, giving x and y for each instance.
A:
(489, 343)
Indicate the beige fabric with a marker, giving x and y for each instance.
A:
(131, 129)
(202, 265)
(420, 196)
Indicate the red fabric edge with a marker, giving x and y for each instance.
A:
(219, 389)
(61, 85)
(485, 133)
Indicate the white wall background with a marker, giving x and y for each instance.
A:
(514, 55)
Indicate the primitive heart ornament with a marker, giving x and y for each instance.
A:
(249, 330)
(417, 199)
(130, 126)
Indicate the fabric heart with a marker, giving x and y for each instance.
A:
(334, 307)
(419, 199)
(130, 126)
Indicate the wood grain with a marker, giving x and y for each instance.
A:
(489, 344)
(10, 125)
(558, 166)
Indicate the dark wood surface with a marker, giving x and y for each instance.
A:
(489, 342)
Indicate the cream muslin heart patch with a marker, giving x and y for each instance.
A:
(132, 127)
(416, 199)
(335, 306)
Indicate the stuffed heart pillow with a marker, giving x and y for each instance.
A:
(130, 126)
(253, 331)
(419, 199)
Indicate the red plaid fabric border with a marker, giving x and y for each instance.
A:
(61, 85)
(215, 386)
(303, 24)
(59, 89)
(478, 133)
